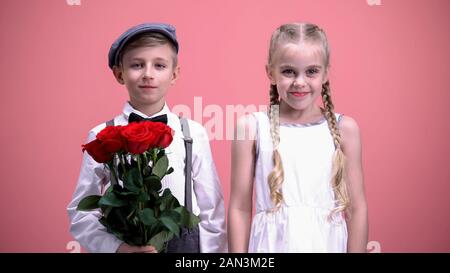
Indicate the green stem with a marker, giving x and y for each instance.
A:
(145, 235)
(141, 204)
(122, 162)
(146, 159)
(113, 172)
(154, 156)
(138, 159)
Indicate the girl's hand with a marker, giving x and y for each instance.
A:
(126, 248)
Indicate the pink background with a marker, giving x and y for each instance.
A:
(390, 71)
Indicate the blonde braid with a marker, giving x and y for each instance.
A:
(296, 33)
(338, 177)
(276, 177)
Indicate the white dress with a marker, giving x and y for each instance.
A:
(302, 223)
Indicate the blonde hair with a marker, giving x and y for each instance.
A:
(305, 32)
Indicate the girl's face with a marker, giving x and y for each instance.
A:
(298, 70)
(147, 73)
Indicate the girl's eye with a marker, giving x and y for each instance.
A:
(288, 72)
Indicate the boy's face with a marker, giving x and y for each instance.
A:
(147, 73)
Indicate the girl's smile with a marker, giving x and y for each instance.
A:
(299, 94)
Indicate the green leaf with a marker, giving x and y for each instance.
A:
(132, 180)
(159, 240)
(187, 219)
(169, 171)
(172, 214)
(110, 228)
(155, 229)
(167, 201)
(170, 224)
(147, 216)
(171, 202)
(162, 206)
(166, 193)
(143, 196)
(193, 220)
(126, 193)
(116, 220)
(106, 210)
(153, 183)
(89, 203)
(160, 167)
(110, 199)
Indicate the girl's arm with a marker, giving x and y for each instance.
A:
(242, 176)
(357, 223)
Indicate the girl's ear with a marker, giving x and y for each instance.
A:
(270, 75)
(175, 75)
(118, 74)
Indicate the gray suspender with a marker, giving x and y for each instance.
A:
(110, 122)
(188, 166)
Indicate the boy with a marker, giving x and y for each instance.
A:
(144, 59)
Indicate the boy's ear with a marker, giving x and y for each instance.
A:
(118, 74)
(269, 73)
(175, 75)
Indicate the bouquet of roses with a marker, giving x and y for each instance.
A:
(135, 208)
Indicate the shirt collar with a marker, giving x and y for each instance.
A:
(128, 109)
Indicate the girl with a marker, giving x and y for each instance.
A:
(305, 160)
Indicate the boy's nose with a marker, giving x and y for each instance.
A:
(148, 73)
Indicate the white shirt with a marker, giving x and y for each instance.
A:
(207, 198)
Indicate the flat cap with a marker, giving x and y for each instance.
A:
(165, 29)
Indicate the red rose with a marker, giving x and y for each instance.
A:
(97, 150)
(139, 136)
(165, 134)
(112, 139)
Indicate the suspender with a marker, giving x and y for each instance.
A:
(110, 122)
(188, 166)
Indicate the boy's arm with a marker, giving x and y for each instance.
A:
(84, 225)
(209, 196)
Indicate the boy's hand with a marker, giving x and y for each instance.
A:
(126, 248)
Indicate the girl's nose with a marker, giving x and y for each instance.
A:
(299, 82)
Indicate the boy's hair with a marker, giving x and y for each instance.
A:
(148, 39)
(296, 33)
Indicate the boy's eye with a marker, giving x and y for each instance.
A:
(136, 65)
(160, 66)
(312, 71)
